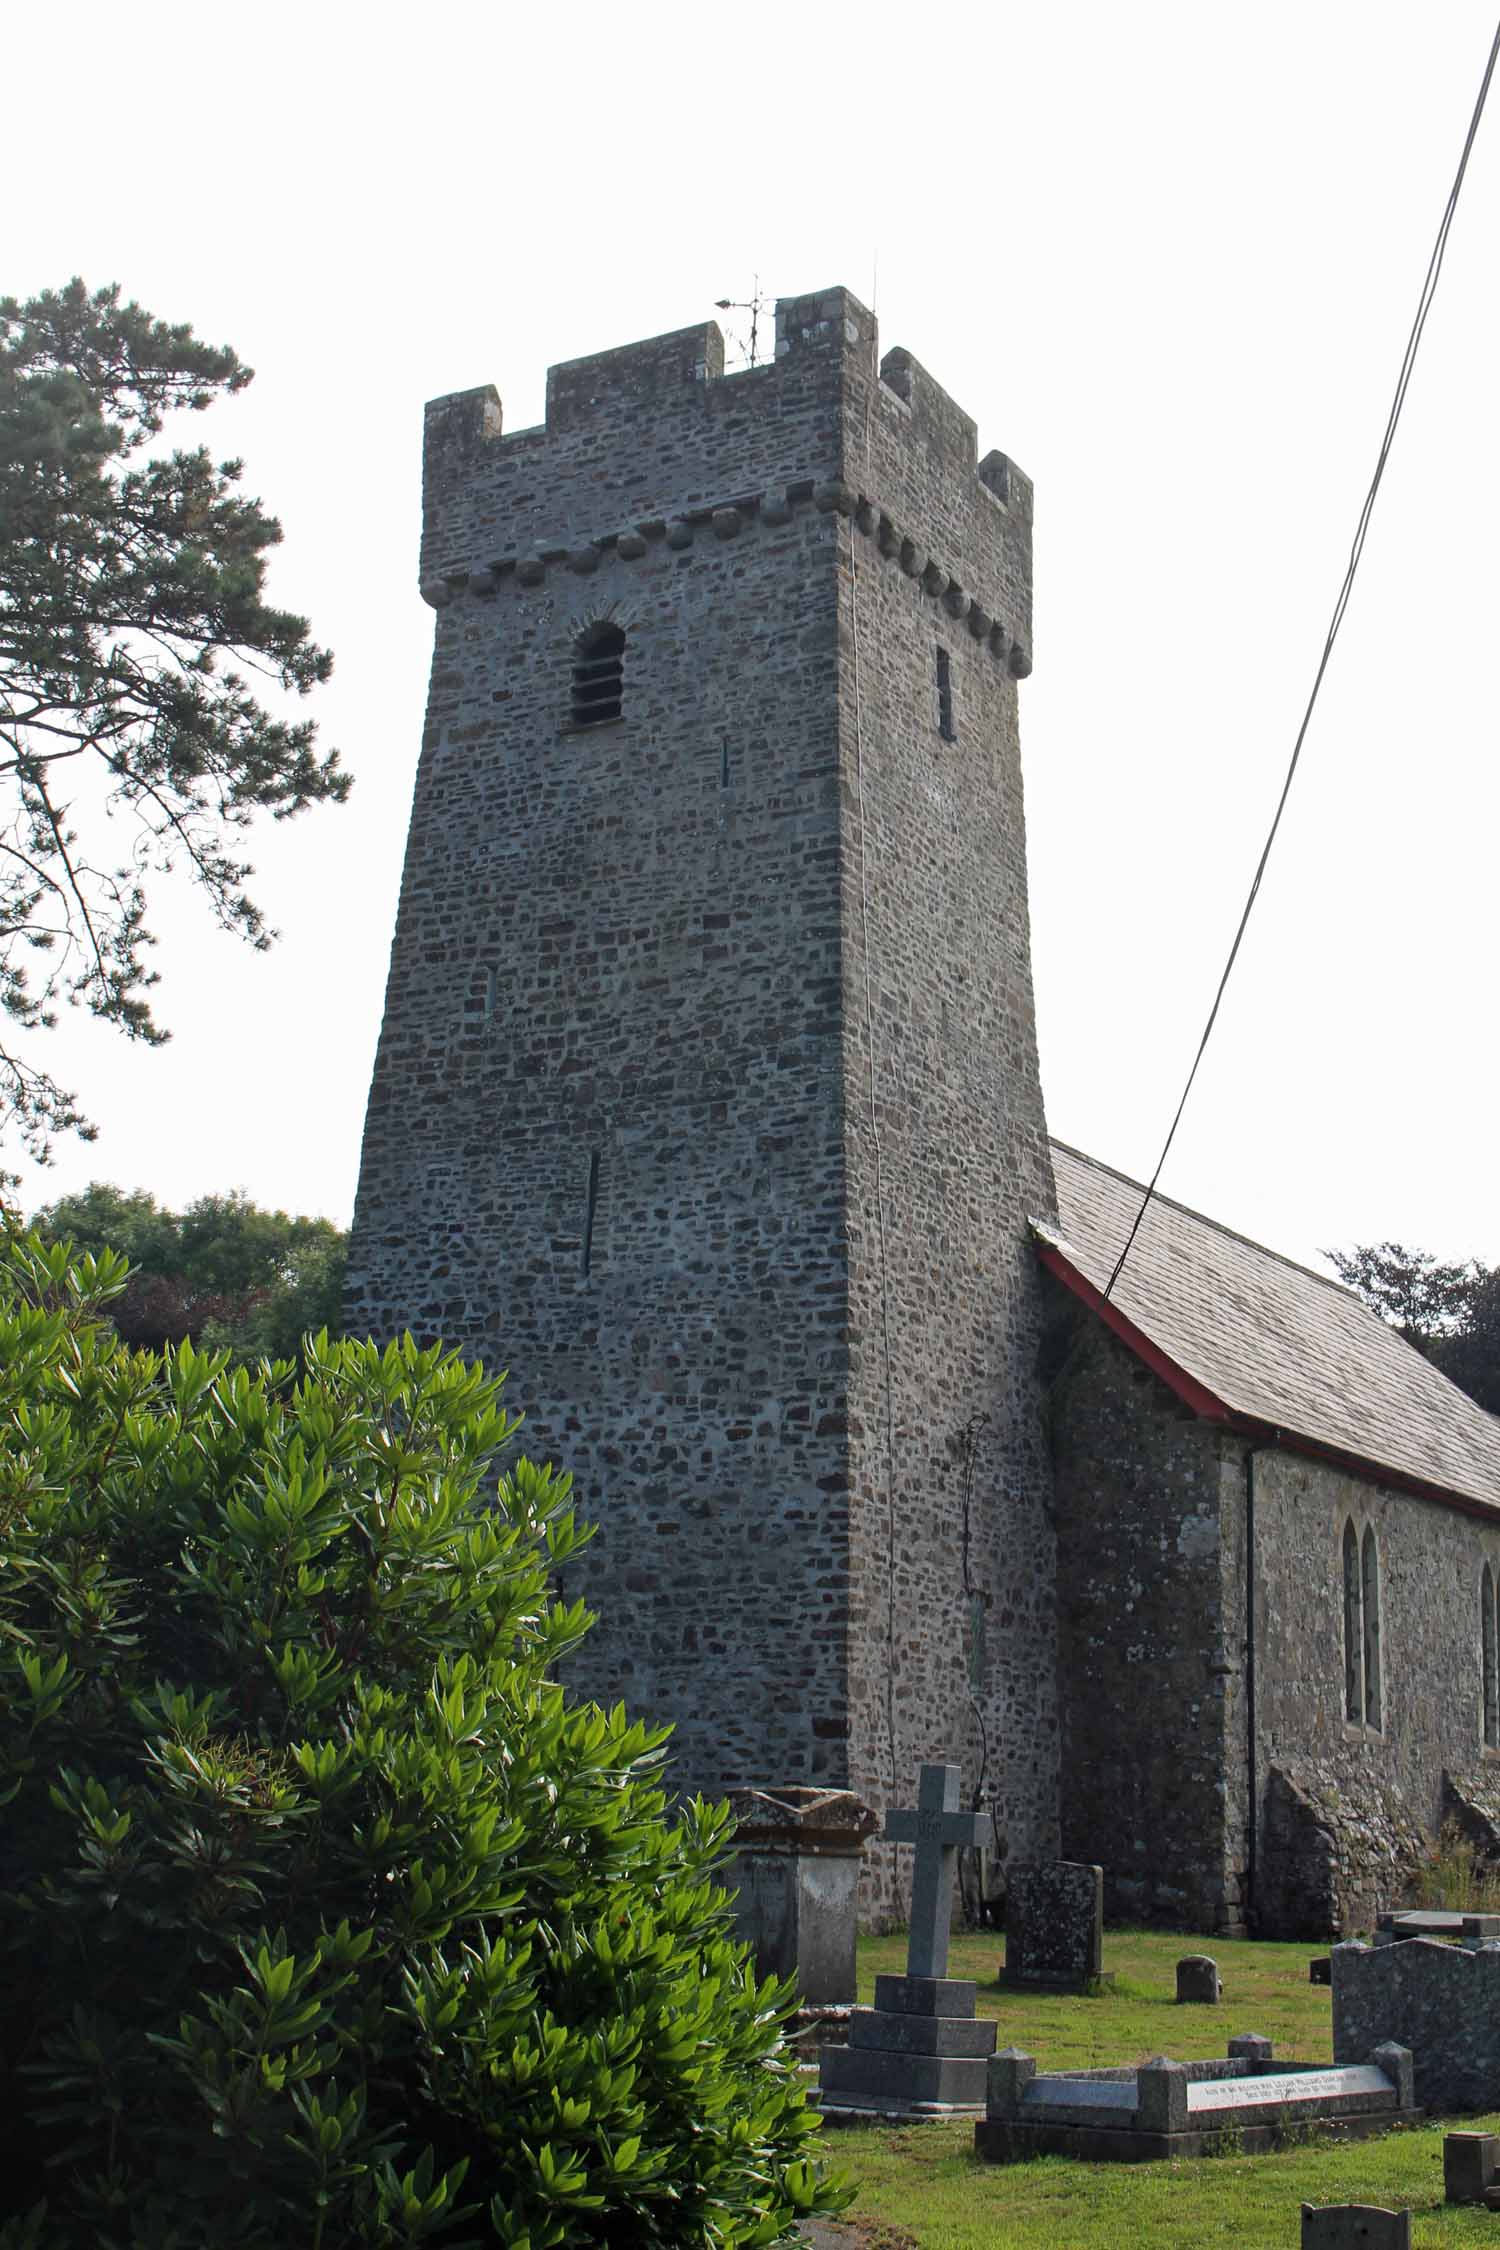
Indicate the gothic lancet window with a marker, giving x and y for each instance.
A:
(1487, 1647)
(598, 675)
(1369, 1571)
(1361, 1627)
(1354, 1638)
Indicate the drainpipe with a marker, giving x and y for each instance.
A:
(1252, 1775)
(1253, 1780)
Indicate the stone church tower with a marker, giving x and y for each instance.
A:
(707, 1098)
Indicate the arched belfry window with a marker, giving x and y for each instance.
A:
(1354, 1636)
(598, 675)
(1487, 1648)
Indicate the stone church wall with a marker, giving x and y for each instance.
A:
(1150, 1665)
(620, 1136)
(1361, 1799)
(604, 1145)
(950, 1528)
(1151, 1531)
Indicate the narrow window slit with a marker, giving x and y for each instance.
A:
(724, 765)
(946, 727)
(592, 1204)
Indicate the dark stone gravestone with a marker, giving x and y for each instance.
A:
(1198, 1979)
(1354, 2226)
(921, 2050)
(796, 1864)
(1054, 1927)
(1442, 2001)
(1470, 2162)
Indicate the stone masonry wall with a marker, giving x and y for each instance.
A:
(1376, 1795)
(1151, 1527)
(945, 1126)
(619, 1131)
(1150, 1632)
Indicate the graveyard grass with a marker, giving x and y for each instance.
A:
(920, 2184)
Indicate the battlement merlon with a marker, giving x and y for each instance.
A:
(826, 409)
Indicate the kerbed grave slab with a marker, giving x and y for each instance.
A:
(1239, 2101)
(1395, 1927)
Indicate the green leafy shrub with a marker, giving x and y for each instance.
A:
(327, 1918)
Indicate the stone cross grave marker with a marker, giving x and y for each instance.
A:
(921, 2051)
(938, 1829)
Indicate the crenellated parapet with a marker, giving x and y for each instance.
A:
(637, 440)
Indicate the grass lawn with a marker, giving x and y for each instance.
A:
(920, 2184)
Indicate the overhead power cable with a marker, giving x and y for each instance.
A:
(1408, 362)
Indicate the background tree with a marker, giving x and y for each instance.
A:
(1413, 1290)
(223, 1273)
(1451, 1313)
(131, 618)
(1471, 1355)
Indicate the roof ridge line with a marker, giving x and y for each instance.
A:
(1189, 1210)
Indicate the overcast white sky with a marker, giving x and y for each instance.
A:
(1166, 254)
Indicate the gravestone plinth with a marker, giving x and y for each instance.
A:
(1161, 2108)
(1054, 1927)
(797, 1855)
(1354, 2226)
(920, 2051)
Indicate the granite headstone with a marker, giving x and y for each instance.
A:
(1054, 1926)
(1442, 2001)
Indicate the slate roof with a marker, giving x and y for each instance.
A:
(1255, 1339)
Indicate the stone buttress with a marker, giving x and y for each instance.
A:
(706, 1100)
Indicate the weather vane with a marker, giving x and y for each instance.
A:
(755, 304)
